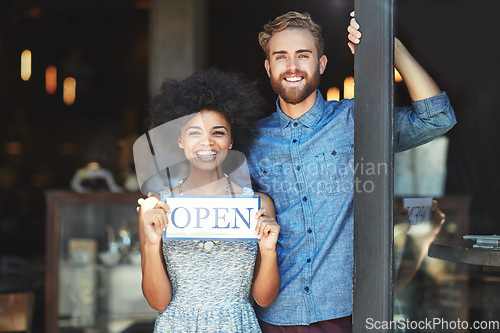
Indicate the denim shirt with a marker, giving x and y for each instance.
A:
(306, 166)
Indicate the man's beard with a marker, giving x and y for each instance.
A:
(295, 95)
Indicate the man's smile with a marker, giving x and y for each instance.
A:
(293, 78)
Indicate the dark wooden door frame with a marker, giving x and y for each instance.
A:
(373, 197)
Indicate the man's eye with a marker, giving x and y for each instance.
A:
(303, 56)
(280, 57)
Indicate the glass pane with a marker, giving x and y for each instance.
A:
(442, 282)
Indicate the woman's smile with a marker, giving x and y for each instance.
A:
(206, 139)
(207, 154)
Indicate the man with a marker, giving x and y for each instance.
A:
(303, 159)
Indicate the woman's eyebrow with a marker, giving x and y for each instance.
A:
(193, 127)
(220, 126)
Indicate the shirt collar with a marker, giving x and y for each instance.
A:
(308, 119)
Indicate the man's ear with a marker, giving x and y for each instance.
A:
(322, 64)
(266, 65)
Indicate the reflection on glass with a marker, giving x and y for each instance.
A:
(414, 277)
(411, 243)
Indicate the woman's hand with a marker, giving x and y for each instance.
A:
(267, 230)
(266, 282)
(437, 219)
(152, 218)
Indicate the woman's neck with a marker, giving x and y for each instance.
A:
(201, 182)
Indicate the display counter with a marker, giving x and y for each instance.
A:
(93, 281)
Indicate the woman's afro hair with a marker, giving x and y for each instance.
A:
(231, 94)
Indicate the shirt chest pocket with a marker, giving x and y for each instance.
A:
(336, 170)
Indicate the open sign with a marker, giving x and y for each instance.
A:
(212, 217)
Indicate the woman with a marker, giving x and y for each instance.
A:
(205, 286)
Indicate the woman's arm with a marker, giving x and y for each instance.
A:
(266, 281)
(156, 285)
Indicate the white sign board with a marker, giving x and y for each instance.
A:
(214, 218)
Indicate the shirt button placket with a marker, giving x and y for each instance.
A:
(309, 267)
(295, 149)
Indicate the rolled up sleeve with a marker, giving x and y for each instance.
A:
(425, 121)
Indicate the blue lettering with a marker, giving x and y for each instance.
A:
(198, 218)
(217, 218)
(188, 217)
(247, 222)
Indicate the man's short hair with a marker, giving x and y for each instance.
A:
(291, 20)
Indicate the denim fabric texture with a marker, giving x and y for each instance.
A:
(306, 166)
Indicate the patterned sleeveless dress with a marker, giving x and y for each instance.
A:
(210, 286)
